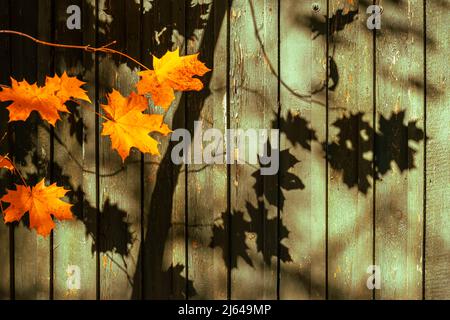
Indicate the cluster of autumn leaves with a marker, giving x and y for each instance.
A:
(125, 123)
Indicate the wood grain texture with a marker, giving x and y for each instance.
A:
(399, 189)
(207, 183)
(303, 126)
(74, 241)
(350, 102)
(437, 248)
(253, 105)
(31, 147)
(152, 229)
(5, 177)
(120, 188)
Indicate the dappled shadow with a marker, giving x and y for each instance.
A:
(77, 127)
(393, 143)
(347, 153)
(265, 244)
(222, 232)
(297, 130)
(288, 181)
(160, 206)
(240, 230)
(113, 234)
(177, 287)
(351, 152)
(200, 9)
(336, 23)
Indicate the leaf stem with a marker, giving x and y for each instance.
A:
(88, 107)
(18, 172)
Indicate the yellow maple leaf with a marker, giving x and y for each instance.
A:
(129, 127)
(40, 202)
(171, 72)
(48, 100)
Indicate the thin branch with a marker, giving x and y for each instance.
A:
(87, 48)
(304, 97)
(4, 136)
(18, 172)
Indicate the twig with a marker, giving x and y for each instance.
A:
(304, 97)
(87, 48)
(4, 136)
(88, 107)
(18, 172)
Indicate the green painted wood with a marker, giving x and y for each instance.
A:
(302, 274)
(31, 147)
(5, 177)
(253, 104)
(207, 183)
(350, 201)
(163, 255)
(437, 238)
(156, 189)
(120, 190)
(74, 241)
(399, 193)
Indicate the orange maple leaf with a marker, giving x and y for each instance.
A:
(48, 100)
(5, 163)
(66, 87)
(40, 202)
(170, 73)
(129, 127)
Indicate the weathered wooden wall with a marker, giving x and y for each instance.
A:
(365, 153)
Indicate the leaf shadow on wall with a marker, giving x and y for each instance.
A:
(114, 229)
(336, 23)
(269, 190)
(351, 152)
(348, 154)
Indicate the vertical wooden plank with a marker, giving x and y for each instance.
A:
(5, 178)
(253, 105)
(120, 190)
(207, 183)
(31, 149)
(74, 247)
(400, 110)
(174, 259)
(303, 126)
(350, 142)
(163, 256)
(43, 160)
(437, 248)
